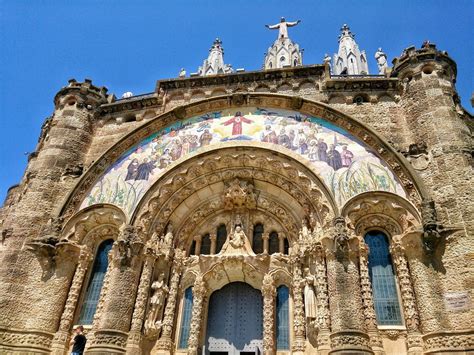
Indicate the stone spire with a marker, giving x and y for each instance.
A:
(349, 60)
(214, 64)
(284, 52)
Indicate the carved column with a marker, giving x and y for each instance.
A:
(135, 334)
(197, 248)
(117, 308)
(410, 311)
(165, 344)
(213, 238)
(199, 295)
(345, 297)
(62, 336)
(281, 243)
(323, 320)
(368, 301)
(299, 323)
(268, 293)
(265, 238)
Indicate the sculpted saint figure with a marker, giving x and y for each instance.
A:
(381, 59)
(237, 243)
(310, 302)
(157, 301)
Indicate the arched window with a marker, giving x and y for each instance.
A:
(186, 318)
(221, 237)
(286, 246)
(257, 238)
(273, 243)
(99, 269)
(206, 244)
(192, 250)
(282, 319)
(382, 277)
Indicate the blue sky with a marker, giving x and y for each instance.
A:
(128, 45)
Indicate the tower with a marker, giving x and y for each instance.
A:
(214, 64)
(349, 60)
(284, 52)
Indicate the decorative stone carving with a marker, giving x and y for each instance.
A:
(199, 294)
(299, 323)
(448, 341)
(310, 301)
(237, 243)
(127, 247)
(157, 301)
(269, 293)
(418, 156)
(239, 194)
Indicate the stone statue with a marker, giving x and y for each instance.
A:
(381, 58)
(310, 301)
(182, 73)
(282, 27)
(167, 241)
(157, 302)
(237, 243)
(327, 60)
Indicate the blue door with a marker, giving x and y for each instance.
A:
(234, 324)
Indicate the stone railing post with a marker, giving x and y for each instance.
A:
(269, 294)
(368, 301)
(165, 343)
(62, 336)
(410, 311)
(199, 295)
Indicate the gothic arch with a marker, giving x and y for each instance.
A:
(401, 168)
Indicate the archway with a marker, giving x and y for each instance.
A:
(234, 324)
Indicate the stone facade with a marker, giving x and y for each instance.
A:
(409, 117)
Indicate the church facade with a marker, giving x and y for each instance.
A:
(297, 209)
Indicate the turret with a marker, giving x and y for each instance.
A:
(214, 64)
(349, 60)
(284, 53)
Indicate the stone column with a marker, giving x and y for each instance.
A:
(269, 294)
(345, 297)
(113, 325)
(410, 311)
(265, 237)
(281, 243)
(62, 336)
(323, 320)
(199, 295)
(213, 238)
(368, 301)
(299, 323)
(197, 248)
(165, 344)
(135, 334)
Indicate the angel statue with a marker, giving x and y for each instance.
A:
(157, 302)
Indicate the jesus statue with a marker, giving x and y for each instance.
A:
(283, 27)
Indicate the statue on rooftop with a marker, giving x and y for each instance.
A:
(283, 27)
(381, 59)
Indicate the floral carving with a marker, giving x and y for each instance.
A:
(199, 294)
(269, 293)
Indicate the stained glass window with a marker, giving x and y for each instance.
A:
(282, 319)
(382, 277)
(257, 238)
(95, 284)
(186, 318)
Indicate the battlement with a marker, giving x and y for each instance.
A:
(419, 58)
(87, 92)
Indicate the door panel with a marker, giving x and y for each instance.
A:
(235, 320)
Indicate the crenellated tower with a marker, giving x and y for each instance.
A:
(349, 60)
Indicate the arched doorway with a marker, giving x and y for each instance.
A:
(234, 324)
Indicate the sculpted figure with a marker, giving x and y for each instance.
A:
(168, 238)
(310, 302)
(381, 59)
(237, 243)
(282, 27)
(157, 301)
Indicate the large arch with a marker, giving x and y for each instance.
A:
(398, 165)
